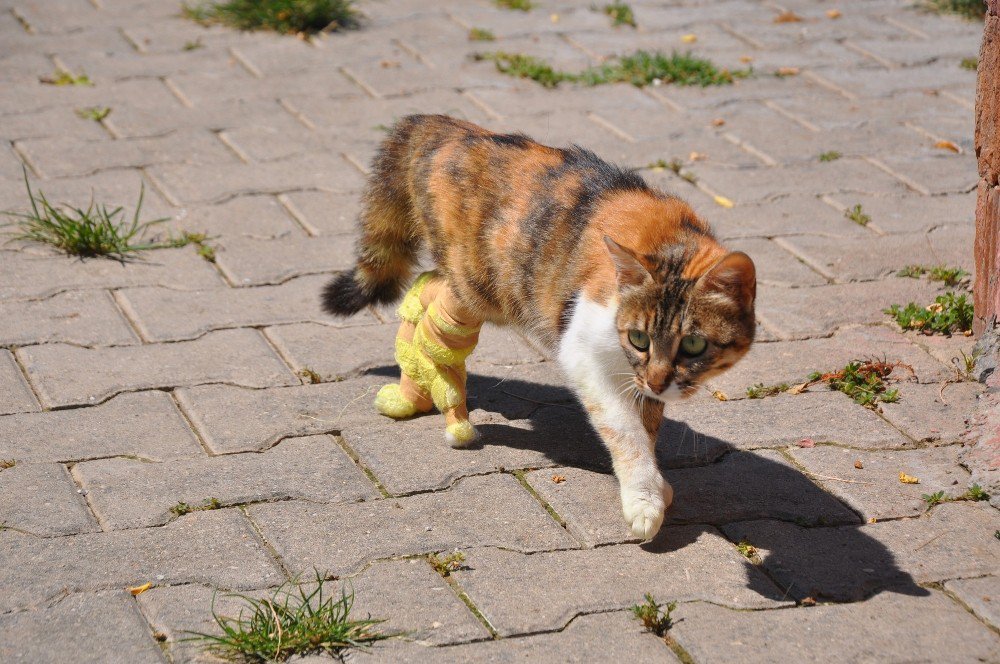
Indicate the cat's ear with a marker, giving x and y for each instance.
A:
(734, 277)
(631, 272)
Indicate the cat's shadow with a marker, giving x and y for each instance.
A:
(812, 545)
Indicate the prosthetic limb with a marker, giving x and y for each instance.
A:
(435, 336)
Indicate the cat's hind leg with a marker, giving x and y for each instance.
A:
(412, 394)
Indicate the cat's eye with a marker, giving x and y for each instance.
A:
(692, 345)
(639, 339)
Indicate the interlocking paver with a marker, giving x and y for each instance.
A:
(241, 357)
(910, 212)
(87, 318)
(94, 627)
(42, 499)
(253, 262)
(136, 494)
(888, 626)
(686, 562)
(848, 563)
(251, 216)
(146, 425)
(933, 412)
(477, 511)
(980, 595)
(16, 396)
(216, 547)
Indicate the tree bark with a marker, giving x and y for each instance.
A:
(987, 246)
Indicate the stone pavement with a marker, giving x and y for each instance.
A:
(128, 389)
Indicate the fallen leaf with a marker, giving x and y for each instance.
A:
(746, 58)
(697, 156)
(689, 39)
(858, 464)
(947, 145)
(788, 17)
(554, 18)
(723, 201)
(718, 122)
(787, 71)
(138, 590)
(808, 601)
(558, 479)
(833, 13)
(908, 479)
(798, 389)
(806, 442)
(872, 520)
(720, 395)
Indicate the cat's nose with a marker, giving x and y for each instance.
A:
(656, 388)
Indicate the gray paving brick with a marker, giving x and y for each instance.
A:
(789, 215)
(241, 357)
(145, 425)
(935, 176)
(165, 314)
(883, 83)
(128, 493)
(911, 212)
(252, 216)
(980, 595)
(252, 262)
(893, 626)
(325, 213)
(88, 318)
(142, 93)
(933, 412)
(554, 587)
(874, 490)
(25, 274)
(97, 627)
(42, 499)
(467, 515)
(791, 362)
(774, 264)
(234, 419)
(600, 637)
(849, 563)
(216, 547)
(16, 396)
(794, 313)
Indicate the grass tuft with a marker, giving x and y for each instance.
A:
(297, 619)
(759, 391)
(949, 276)
(284, 16)
(933, 499)
(654, 617)
(620, 13)
(864, 382)
(182, 508)
(446, 564)
(947, 315)
(971, 9)
(63, 77)
(310, 376)
(517, 5)
(831, 155)
(481, 34)
(193, 45)
(746, 549)
(95, 113)
(857, 215)
(972, 64)
(641, 68)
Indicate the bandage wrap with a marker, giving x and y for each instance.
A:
(435, 337)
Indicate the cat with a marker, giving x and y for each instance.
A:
(625, 284)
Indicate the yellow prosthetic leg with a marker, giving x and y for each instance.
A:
(435, 336)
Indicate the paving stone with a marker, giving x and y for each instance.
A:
(218, 547)
(134, 494)
(685, 563)
(933, 412)
(234, 419)
(601, 637)
(25, 275)
(144, 93)
(464, 516)
(87, 318)
(98, 627)
(325, 213)
(788, 215)
(982, 595)
(144, 424)
(42, 499)
(164, 314)
(874, 490)
(774, 264)
(910, 212)
(871, 258)
(796, 313)
(261, 217)
(234, 356)
(791, 362)
(951, 351)
(884, 83)
(887, 627)
(253, 262)
(849, 563)
(749, 423)
(15, 395)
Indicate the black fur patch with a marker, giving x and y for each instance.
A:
(344, 296)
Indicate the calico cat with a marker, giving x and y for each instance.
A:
(624, 283)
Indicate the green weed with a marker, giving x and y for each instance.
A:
(864, 382)
(933, 499)
(284, 16)
(975, 493)
(949, 276)
(759, 391)
(517, 5)
(297, 619)
(620, 13)
(831, 155)
(948, 314)
(445, 565)
(193, 45)
(972, 64)
(310, 376)
(746, 549)
(654, 617)
(63, 77)
(857, 215)
(971, 9)
(182, 508)
(481, 34)
(95, 113)
(526, 66)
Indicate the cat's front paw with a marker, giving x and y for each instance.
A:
(643, 511)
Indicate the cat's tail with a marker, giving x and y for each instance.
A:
(390, 238)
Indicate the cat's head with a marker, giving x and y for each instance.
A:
(684, 315)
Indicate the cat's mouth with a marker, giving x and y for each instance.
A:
(672, 393)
